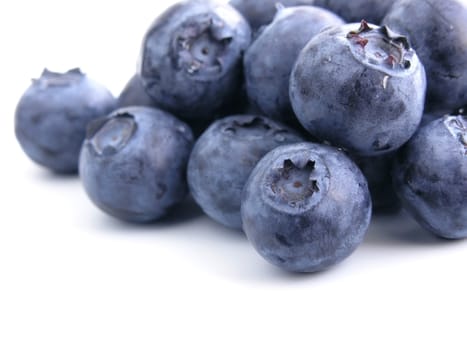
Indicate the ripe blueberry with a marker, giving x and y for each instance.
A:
(51, 117)
(192, 56)
(430, 176)
(306, 207)
(133, 163)
(362, 89)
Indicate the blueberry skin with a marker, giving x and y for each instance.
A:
(429, 117)
(51, 117)
(223, 158)
(362, 89)
(133, 163)
(373, 11)
(430, 176)
(260, 13)
(134, 94)
(306, 207)
(378, 173)
(270, 59)
(191, 58)
(437, 30)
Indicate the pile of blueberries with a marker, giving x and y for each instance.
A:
(291, 122)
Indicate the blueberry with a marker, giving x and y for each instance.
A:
(51, 117)
(133, 163)
(224, 157)
(270, 59)
(362, 89)
(260, 13)
(372, 11)
(306, 207)
(191, 58)
(134, 94)
(377, 171)
(430, 176)
(437, 30)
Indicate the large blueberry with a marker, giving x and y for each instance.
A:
(133, 163)
(260, 13)
(270, 59)
(191, 58)
(372, 11)
(224, 157)
(306, 207)
(430, 176)
(360, 88)
(134, 94)
(51, 117)
(437, 30)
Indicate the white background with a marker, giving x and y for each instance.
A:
(73, 278)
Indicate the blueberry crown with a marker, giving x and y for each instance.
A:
(381, 48)
(254, 127)
(108, 135)
(293, 182)
(200, 45)
(54, 79)
(296, 182)
(457, 126)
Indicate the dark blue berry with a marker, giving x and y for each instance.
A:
(359, 87)
(430, 176)
(306, 207)
(191, 58)
(51, 117)
(133, 163)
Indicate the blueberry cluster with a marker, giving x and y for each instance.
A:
(292, 122)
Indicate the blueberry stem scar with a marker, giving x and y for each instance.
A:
(294, 183)
(380, 47)
(457, 126)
